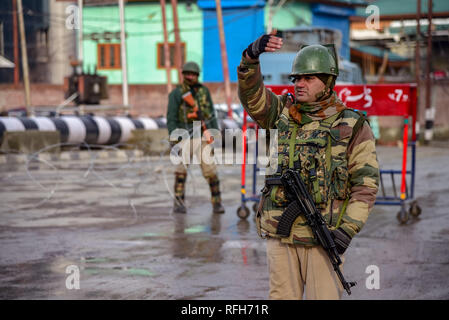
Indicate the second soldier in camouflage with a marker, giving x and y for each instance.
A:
(181, 114)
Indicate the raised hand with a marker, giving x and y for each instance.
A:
(265, 43)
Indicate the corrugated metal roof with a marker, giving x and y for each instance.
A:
(352, 1)
(379, 52)
(437, 25)
(396, 7)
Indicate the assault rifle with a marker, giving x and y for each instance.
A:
(302, 203)
(196, 114)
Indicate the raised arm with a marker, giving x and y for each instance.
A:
(260, 103)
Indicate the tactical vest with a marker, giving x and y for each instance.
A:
(319, 152)
(201, 100)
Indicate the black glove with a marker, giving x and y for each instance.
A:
(256, 48)
(341, 239)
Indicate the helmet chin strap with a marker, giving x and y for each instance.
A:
(323, 93)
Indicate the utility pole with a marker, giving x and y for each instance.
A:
(26, 78)
(123, 54)
(272, 11)
(80, 35)
(224, 57)
(16, 43)
(178, 58)
(430, 112)
(270, 16)
(166, 47)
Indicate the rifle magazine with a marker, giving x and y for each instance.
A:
(287, 218)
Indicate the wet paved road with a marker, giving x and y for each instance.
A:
(112, 220)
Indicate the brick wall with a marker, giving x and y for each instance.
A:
(148, 100)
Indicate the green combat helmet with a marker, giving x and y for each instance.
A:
(191, 67)
(317, 60)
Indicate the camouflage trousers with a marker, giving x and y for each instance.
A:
(209, 171)
(180, 181)
(198, 150)
(296, 269)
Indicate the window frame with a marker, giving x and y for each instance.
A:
(160, 49)
(117, 65)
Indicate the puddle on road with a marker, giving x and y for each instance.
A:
(195, 229)
(93, 270)
(120, 270)
(151, 235)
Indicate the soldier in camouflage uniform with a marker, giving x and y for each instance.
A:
(333, 148)
(178, 117)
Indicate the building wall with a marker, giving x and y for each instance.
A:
(35, 19)
(61, 45)
(144, 30)
(144, 99)
(335, 18)
(290, 15)
(243, 23)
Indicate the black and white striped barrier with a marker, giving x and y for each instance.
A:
(78, 129)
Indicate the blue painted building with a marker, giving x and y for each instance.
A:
(243, 22)
(335, 18)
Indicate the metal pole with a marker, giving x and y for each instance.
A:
(178, 58)
(80, 34)
(417, 59)
(123, 54)
(16, 43)
(166, 47)
(26, 78)
(430, 112)
(270, 16)
(224, 57)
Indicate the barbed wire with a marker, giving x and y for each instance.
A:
(91, 170)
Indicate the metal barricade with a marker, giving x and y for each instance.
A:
(373, 100)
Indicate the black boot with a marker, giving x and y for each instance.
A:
(218, 208)
(178, 206)
(178, 203)
(214, 185)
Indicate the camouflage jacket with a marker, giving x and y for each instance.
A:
(340, 170)
(178, 109)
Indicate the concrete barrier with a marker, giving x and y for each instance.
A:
(151, 142)
(30, 141)
(92, 130)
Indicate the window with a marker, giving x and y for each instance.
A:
(285, 78)
(161, 56)
(108, 56)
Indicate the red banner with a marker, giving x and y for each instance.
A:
(374, 99)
